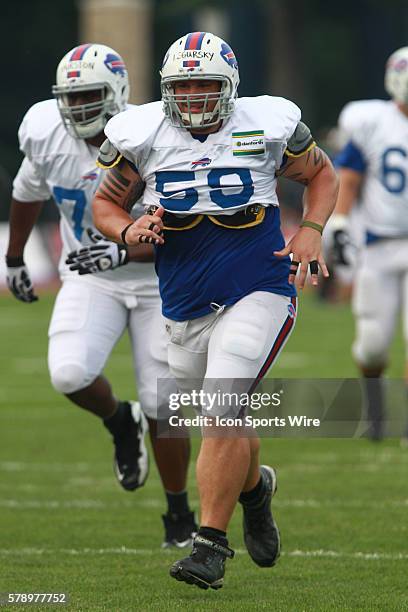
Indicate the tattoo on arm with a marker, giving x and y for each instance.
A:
(122, 191)
(303, 169)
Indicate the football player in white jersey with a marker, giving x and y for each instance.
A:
(100, 297)
(374, 168)
(210, 161)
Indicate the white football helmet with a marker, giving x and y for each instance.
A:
(199, 55)
(91, 67)
(396, 75)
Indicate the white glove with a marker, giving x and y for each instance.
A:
(19, 281)
(99, 257)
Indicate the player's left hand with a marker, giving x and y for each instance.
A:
(102, 255)
(306, 249)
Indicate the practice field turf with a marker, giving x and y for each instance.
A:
(66, 526)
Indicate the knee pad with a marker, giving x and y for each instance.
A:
(370, 348)
(69, 378)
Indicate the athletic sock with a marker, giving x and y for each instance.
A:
(255, 495)
(114, 422)
(215, 535)
(374, 390)
(177, 502)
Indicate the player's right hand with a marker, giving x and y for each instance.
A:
(19, 281)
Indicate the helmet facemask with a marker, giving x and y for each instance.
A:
(190, 119)
(89, 119)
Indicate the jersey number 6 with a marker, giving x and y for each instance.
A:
(393, 176)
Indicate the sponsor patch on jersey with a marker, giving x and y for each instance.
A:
(248, 143)
(204, 161)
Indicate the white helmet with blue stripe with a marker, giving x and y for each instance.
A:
(199, 55)
(396, 75)
(91, 68)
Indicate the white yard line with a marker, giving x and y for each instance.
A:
(307, 467)
(26, 466)
(123, 550)
(84, 504)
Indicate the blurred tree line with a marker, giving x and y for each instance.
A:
(319, 54)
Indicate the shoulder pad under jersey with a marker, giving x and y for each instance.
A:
(108, 156)
(38, 126)
(134, 128)
(358, 116)
(301, 141)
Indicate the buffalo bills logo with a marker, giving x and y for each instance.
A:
(227, 55)
(400, 65)
(291, 311)
(92, 176)
(115, 64)
(204, 161)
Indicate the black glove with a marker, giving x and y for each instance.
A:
(99, 257)
(341, 247)
(18, 280)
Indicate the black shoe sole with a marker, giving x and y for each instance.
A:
(179, 573)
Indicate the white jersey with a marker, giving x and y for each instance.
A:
(232, 169)
(59, 166)
(379, 131)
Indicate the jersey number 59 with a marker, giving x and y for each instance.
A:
(186, 197)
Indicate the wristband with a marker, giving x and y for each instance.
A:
(313, 225)
(14, 262)
(123, 233)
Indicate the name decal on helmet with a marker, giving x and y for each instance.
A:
(194, 54)
(115, 64)
(74, 68)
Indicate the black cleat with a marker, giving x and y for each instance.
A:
(261, 534)
(131, 461)
(180, 529)
(205, 567)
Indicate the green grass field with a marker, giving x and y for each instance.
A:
(66, 526)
